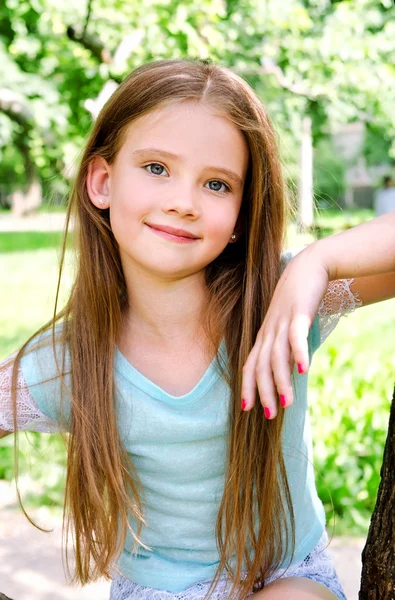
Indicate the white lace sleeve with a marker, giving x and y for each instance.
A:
(29, 416)
(338, 301)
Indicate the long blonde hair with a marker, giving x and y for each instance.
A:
(255, 521)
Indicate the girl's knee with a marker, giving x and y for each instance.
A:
(295, 588)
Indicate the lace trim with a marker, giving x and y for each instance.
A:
(29, 416)
(318, 565)
(339, 301)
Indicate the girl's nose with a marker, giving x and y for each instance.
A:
(183, 199)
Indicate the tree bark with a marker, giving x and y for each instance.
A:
(91, 43)
(378, 556)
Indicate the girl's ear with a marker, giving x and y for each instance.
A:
(97, 182)
(239, 227)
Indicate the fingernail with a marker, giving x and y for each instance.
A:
(283, 400)
(300, 368)
(243, 404)
(267, 412)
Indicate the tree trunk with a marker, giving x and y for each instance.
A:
(378, 556)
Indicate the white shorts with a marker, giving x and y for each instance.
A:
(318, 565)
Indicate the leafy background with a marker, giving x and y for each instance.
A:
(329, 59)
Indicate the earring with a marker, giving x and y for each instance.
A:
(102, 201)
(233, 237)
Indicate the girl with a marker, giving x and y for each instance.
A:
(172, 489)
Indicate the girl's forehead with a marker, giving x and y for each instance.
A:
(186, 109)
(185, 127)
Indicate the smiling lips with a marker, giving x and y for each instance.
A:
(177, 235)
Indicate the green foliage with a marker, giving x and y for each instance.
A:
(335, 57)
(378, 145)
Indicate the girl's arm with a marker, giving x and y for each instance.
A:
(368, 249)
(365, 253)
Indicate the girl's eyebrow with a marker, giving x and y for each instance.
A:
(147, 153)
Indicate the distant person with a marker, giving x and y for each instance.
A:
(385, 197)
(176, 484)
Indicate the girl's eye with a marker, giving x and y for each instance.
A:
(155, 169)
(216, 185)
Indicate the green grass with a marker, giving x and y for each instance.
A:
(337, 220)
(52, 207)
(28, 282)
(25, 241)
(351, 382)
(46, 207)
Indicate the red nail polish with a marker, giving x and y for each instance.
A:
(283, 400)
(243, 404)
(267, 412)
(300, 368)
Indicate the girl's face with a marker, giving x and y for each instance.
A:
(179, 168)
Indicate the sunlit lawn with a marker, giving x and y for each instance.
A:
(28, 278)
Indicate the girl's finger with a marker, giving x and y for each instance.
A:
(248, 385)
(298, 336)
(280, 363)
(265, 383)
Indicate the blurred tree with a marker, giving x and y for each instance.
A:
(330, 61)
(378, 145)
(329, 174)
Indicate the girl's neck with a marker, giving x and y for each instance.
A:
(167, 314)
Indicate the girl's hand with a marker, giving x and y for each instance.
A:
(282, 340)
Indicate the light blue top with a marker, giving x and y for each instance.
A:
(178, 447)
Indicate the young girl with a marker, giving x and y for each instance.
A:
(172, 489)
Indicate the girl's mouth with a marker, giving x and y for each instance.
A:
(174, 235)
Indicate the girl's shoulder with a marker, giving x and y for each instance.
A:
(45, 366)
(44, 354)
